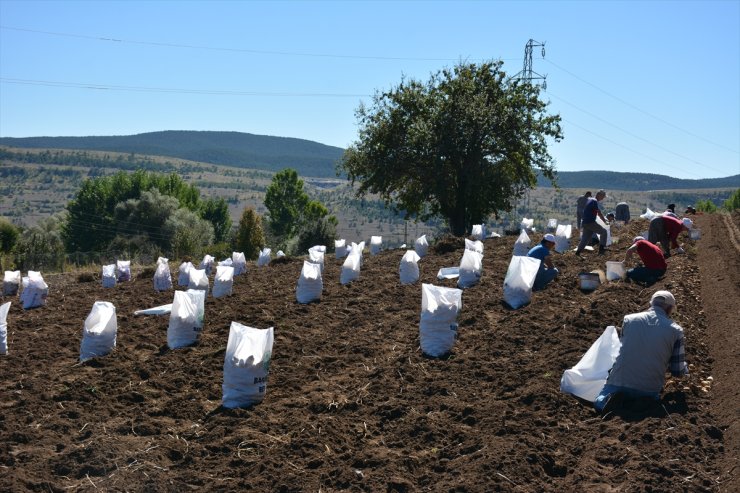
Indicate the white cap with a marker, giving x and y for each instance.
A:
(688, 223)
(637, 238)
(549, 237)
(664, 298)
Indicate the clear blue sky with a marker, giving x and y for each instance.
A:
(641, 86)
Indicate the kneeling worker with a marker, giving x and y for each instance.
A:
(547, 271)
(651, 344)
(665, 230)
(654, 265)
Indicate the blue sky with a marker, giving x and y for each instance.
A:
(641, 86)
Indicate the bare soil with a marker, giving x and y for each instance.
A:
(353, 404)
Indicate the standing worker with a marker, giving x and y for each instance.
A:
(580, 204)
(665, 229)
(590, 226)
(651, 344)
(654, 265)
(547, 271)
(623, 212)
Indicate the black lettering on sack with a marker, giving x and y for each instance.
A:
(261, 389)
(259, 380)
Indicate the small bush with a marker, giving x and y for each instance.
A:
(706, 206)
(733, 203)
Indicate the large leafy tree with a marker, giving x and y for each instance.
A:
(463, 145)
(216, 211)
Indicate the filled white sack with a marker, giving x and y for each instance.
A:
(162, 277)
(183, 273)
(123, 270)
(280, 253)
(198, 297)
(207, 264)
(264, 257)
(246, 365)
(183, 329)
(109, 277)
(587, 378)
(552, 225)
(11, 282)
(519, 280)
(99, 332)
(562, 238)
(198, 279)
(376, 244)
(522, 243)
(526, 224)
(225, 263)
(310, 283)
(350, 268)
(438, 324)
(478, 232)
(649, 215)
(476, 246)
(471, 268)
(223, 282)
(4, 308)
(607, 228)
(35, 290)
(421, 245)
(316, 256)
(409, 268)
(239, 262)
(340, 249)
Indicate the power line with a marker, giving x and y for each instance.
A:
(627, 103)
(110, 87)
(233, 50)
(632, 150)
(636, 136)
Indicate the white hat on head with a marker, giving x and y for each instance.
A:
(637, 238)
(688, 222)
(664, 298)
(549, 237)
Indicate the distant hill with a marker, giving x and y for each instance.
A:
(642, 182)
(311, 159)
(241, 150)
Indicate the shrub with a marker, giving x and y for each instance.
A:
(733, 203)
(250, 236)
(706, 206)
(8, 235)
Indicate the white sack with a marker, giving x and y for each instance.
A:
(35, 290)
(225, 263)
(649, 215)
(183, 329)
(316, 256)
(198, 297)
(471, 268)
(521, 245)
(421, 245)
(340, 249)
(438, 325)
(588, 377)
(223, 281)
(310, 283)
(99, 332)
(239, 262)
(526, 223)
(562, 238)
(198, 279)
(264, 257)
(246, 365)
(11, 282)
(162, 277)
(615, 271)
(476, 246)
(376, 244)
(607, 228)
(207, 264)
(157, 310)
(552, 225)
(109, 276)
(409, 268)
(351, 268)
(519, 280)
(4, 308)
(183, 277)
(280, 253)
(479, 231)
(123, 270)
(448, 273)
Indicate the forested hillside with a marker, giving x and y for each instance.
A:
(236, 149)
(636, 182)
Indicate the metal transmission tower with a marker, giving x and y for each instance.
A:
(527, 74)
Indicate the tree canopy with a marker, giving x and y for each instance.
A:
(463, 145)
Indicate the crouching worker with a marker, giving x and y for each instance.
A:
(547, 271)
(653, 262)
(665, 230)
(651, 344)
